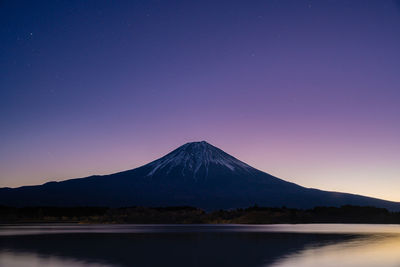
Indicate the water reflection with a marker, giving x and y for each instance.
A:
(199, 245)
(370, 251)
(19, 259)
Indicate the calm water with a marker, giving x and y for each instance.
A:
(200, 245)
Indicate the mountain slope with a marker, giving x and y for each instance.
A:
(196, 174)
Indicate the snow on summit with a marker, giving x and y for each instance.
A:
(191, 157)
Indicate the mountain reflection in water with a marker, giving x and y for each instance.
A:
(200, 245)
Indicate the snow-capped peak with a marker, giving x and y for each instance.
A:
(191, 157)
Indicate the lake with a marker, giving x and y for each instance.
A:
(311, 245)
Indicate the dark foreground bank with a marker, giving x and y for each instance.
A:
(190, 215)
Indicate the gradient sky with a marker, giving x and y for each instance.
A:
(308, 91)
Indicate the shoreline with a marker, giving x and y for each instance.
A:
(191, 215)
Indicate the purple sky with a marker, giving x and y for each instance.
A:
(308, 91)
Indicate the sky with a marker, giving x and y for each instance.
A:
(308, 91)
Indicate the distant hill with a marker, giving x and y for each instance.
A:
(195, 174)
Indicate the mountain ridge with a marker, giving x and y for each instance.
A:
(195, 174)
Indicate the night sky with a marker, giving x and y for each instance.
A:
(308, 91)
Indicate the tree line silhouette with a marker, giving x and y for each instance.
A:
(183, 215)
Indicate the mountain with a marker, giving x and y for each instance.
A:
(195, 174)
